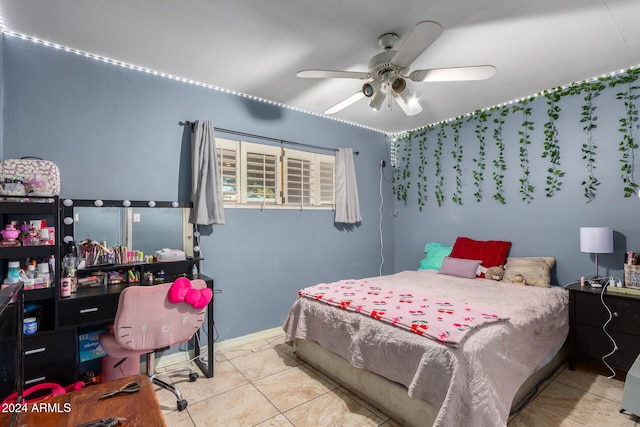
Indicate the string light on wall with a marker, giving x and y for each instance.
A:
(171, 77)
(519, 100)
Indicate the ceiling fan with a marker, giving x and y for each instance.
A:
(389, 71)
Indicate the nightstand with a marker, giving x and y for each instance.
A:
(587, 315)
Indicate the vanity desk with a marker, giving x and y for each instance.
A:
(143, 227)
(52, 354)
(93, 307)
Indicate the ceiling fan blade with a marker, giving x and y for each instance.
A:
(345, 103)
(408, 102)
(454, 74)
(418, 40)
(332, 74)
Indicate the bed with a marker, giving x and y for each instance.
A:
(423, 380)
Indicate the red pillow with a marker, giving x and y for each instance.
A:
(492, 252)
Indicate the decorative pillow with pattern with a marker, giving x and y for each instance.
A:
(536, 271)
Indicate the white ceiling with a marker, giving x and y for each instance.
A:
(256, 47)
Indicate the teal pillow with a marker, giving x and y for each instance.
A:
(434, 254)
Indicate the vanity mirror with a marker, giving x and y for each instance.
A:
(139, 225)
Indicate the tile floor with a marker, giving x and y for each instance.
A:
(264, 384)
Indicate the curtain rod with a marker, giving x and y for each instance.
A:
(266, 138)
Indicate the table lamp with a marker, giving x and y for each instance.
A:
(596, 240)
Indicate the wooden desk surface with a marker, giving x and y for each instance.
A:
(71, 409)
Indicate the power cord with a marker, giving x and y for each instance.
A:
(382, 165)
(604, 327)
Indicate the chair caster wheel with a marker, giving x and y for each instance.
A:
(193, 376)
(182, 405)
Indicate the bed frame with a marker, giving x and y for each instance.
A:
(391, 398)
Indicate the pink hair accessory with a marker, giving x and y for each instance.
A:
(182, 291)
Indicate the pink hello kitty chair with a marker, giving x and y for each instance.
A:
(150, 318)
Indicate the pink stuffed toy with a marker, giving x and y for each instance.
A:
(182, 291)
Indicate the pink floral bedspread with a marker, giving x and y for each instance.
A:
(473, 384)
(443, 320)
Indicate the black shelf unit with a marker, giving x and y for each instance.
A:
(40, 348)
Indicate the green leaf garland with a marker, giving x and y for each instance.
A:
(551, 144)
(499, 164)
(591, 183)
(526, 189)
(627, 145)
(439, 192)
(457, 157)
(480, 162)
(422, 175)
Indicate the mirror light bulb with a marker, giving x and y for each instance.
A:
(68, 220)
(67, 202)
(126, 203)
(151, 204)
(98, 203)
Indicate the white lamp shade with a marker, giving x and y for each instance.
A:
(596, 240)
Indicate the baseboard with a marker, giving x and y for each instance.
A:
(185, 356)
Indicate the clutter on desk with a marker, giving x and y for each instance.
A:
(27, 233)
(128, 388)
(632, 270)
(170, 255)
(103, 422)
(29, 176)
(93, 253)
(35, 273)
(33, 313)
(29, 325)
(69, 279)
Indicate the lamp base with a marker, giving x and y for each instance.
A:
(596, 280)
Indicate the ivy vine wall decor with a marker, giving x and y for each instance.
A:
(434, 136)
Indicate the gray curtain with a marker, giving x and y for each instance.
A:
(347, 203)
(206, 190)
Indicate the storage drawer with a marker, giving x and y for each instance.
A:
(47, 358)
(62, 374)
(47, 349)
(594, 344)
(81, 311)
(625, 312)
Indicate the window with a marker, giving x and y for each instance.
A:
(269, 176)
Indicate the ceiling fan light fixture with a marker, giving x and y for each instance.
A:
(408, 102)
(367, 90)
(388, 71)
(377, 99)
(398, 85)
(371, 88)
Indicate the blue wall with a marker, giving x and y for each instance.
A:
(545, 226)
(115, 134)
